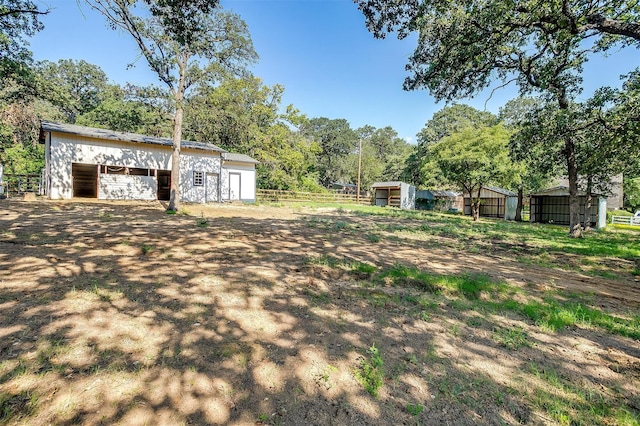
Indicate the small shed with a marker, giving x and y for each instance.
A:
(494, 202)
(239, 177)
(343, 188)
(434, 199)
(395, 194)
(552, 206)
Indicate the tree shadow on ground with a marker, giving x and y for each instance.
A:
(123, 314)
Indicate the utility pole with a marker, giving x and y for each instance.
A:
(359, 167)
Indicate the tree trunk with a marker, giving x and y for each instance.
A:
(518, 217)
(475, 205)
(575, 228)
(178, 96)
(174, 199)
(587, 206)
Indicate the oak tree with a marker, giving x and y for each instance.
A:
(186, 43)
(474, 158)
(463, 46)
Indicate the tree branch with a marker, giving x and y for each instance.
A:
(21, 11)
(612, 26)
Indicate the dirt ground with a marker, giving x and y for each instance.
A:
(117, 313)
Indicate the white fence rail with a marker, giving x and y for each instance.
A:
(625, 220)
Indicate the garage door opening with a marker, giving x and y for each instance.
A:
(85, 180)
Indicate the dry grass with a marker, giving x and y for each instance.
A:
(121, 314)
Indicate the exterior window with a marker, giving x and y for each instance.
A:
(198, 178)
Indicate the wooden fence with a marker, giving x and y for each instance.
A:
(277, 196)
(625, 220)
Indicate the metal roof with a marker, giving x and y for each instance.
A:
(394, 184)
(559, 191)
(240, 158)
(106, 134)
(442, 193)
(501, 191)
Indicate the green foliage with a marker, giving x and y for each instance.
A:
(243, 115)
(538, 163)
(147, 248)
(421, 168)
(555, 315)
(186, 44)
(632, 193)
(463, 47)
(570, 403)
(12, 406)
(512, 338)
(414, 409)
(360, 269)
(474, 158)
(454, 119)
(75, 87)
(506, 39)
(469, 286)
(336, 141)
(142, 110)
(20, 151)
(383, 156)
(370, 373)
(18, 19)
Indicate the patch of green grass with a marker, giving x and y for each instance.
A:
(571, 403)
(105, 215)
(555, 315)
(512, 338)
(318, 297)
(147, 248)
(361, 269)
(401, 275)
(474, 321)
(340, 226)
(370, 373)
(621, 226)
(15, 406)
(469, 286)
(373, 238)
(414, 409)
(202, 222)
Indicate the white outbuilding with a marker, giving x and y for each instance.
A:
(104, 164)
(394, 194)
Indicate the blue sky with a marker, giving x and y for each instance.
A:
(319, 50)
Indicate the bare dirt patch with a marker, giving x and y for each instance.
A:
(117, 313)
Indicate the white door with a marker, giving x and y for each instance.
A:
(234, 186)
(211, 187)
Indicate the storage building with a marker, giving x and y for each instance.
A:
(395, 194)
(104, 164)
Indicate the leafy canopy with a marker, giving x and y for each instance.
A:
(474, 157)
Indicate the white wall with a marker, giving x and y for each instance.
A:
(247, 180)
(200, 161)
(126, 187)
(65, 149)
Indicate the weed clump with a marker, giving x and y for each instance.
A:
(370, 373)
